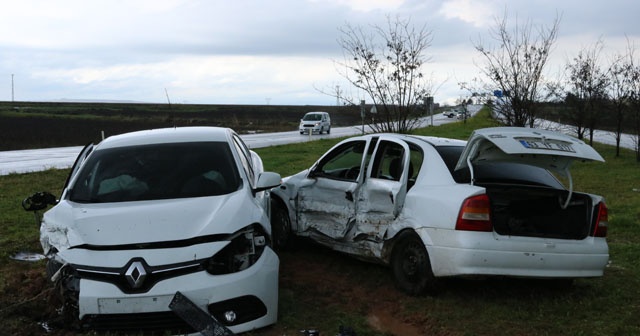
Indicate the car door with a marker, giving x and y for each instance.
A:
(327, 202)
(382, 195)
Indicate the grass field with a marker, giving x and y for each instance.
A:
(324, 290)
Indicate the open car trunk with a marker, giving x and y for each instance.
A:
(538, 212)
(515, 166)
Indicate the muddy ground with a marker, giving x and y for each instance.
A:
(312, 280)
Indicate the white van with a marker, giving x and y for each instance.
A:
(315, 122)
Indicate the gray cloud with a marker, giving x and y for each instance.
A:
(245, 51)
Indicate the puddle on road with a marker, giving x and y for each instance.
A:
(27, 256)
(386, 322)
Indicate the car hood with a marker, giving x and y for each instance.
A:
(70, 224)
(546, 149)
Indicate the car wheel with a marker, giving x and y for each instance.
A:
(280, 226)
(329, 130)
(411, 266)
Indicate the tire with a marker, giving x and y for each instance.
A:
(411, 266)
(281, 235)
(329, 130)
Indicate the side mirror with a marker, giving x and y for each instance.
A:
(39, 201)
(267, 180)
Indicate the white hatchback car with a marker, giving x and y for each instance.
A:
(432, 207)
(315, 122)
(165, 230)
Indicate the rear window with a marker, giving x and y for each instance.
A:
(159, 171)
(497, 172)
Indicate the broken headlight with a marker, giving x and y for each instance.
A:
(244, 249)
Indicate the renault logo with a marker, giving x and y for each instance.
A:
(135, 274)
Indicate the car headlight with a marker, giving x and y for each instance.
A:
(244, 249)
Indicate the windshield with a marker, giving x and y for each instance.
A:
(159, 171)
(312, 117)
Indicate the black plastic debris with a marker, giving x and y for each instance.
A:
(197, 318)
(38, 201)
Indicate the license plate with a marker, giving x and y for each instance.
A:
(547, 145)
(132, 305)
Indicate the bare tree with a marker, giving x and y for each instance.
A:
(620, 90)
(386, 64)
(634, 99)
(516, 66)
(588, 85)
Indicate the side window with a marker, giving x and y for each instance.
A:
(388, 163)
(245, 158)
(343, 162)
(416, 157)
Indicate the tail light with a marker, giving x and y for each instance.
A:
(475, 214)
(602, 221)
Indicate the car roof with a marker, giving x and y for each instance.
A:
(434, 141)
(167, 135)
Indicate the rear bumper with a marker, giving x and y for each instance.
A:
(482, 254)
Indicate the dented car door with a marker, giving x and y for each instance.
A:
(327, 200)
(382, 194)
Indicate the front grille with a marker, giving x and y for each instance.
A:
(135, 323)
(155, 274)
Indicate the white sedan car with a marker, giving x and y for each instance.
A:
(432, 207)
(165, 230)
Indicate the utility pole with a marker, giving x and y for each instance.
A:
(362, 114)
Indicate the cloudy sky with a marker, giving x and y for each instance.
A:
(279, 52)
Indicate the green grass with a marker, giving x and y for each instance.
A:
(609, 305)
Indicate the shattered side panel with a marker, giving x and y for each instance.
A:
(324, 206)
(376, 209)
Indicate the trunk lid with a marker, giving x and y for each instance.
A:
(542, 148)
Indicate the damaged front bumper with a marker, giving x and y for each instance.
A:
(240, 301)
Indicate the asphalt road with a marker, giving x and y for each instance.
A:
(23, 161)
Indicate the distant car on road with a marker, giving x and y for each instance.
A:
(449, 113)
(433, 207)
(315, 122)
(153, 226)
